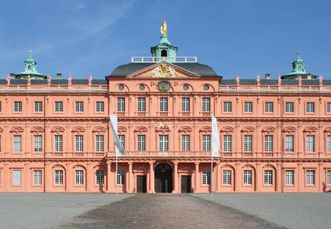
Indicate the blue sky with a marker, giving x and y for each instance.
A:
(235, 37)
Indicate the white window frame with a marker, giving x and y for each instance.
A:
(186, 103)
(17, 177)
(227, 106)
(121, 104)
(328, 142)
(289, 107)
(120, 178)
(58, 143)
(100, 177)
(328, 177)
(328, 107)
(268, 143)
(289, 177)
(248, 107)
(268, 177)
(38, 143)
(58, 177)
(248, 177)
(38, 106)
(227, 177)
(310, 107)
(186, 142)
(79, 106)
(206, 142)
(164, 104)
(17, 143)
(141, 142)
(289, 143)
(18, 106)
(310, 177)
(99, 143)
(206, 177)
(79, 177)
(58, 106)
(269, 107)
(100, 106)
(79, 143)
(248, 143)
(206, 104)
(37, 177)
(310, 143)
(227, 143)
(163, 143)
(121, 138)
(141, 104)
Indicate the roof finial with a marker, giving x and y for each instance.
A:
(164, 28)
(30, 53)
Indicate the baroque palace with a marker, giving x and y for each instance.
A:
(55, 134)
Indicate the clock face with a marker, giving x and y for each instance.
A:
(164, 86)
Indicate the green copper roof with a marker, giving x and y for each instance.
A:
(31, 68)
(298, 69)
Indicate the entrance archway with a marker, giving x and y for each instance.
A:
(163, 178)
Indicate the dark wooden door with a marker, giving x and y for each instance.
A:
(141, 184)
(186, 184)
(163, 178)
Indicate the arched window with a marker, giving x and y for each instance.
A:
(164, 53)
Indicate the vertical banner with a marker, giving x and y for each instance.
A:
(215, 140)
(118, 146)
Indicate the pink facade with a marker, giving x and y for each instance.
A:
(275, 134)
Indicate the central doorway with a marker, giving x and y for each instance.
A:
(186, 184)
(163, 178)
(141, 184)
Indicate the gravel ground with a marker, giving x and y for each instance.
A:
(166, 211)
(292, 210)
(46, 210)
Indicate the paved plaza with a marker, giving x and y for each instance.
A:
(258, 210)
(291, 210)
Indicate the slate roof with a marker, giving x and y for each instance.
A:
(199, 69)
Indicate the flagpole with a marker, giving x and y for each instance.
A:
(211, 175)
(116, 172)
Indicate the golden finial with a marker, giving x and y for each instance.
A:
(164, 28)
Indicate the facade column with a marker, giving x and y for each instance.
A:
(69, 177)
(175, 190)
(89, 178)
(197, 180)
(27, 175)
(109, 188)
(151, 178)
(47, 177)
(219, 177)
(279, 178)
(258, 178)
(237, 178)
(130, 183)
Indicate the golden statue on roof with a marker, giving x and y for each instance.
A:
(164, 28)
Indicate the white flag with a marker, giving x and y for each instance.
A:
(119, 148)
(215, 140)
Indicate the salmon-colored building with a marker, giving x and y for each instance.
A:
(275, 134)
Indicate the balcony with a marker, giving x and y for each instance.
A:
(175, 59)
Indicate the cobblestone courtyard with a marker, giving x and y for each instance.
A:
(258, 210)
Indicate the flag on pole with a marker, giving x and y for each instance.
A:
(215, 140)
(119, 148)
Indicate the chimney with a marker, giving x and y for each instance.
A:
(267, 76)
(59, 75)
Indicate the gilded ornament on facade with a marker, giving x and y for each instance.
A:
(164, 71)
(164, 28)
(162, 126)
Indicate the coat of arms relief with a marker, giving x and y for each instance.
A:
(164, 71)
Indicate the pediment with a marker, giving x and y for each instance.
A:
(163, 70)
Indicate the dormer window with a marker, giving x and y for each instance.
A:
(164, 53)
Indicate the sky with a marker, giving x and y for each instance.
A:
(234, 37)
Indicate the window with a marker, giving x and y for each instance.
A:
(80, 177)
(58, 106)
(38, 143)
(186, 142)
(18, 106)
(99, 106)
(17, 143)
(185, 104)
(164, 142)
(310, 175)
(99, 143)
(58, 139)
(329, 177)
(141, 104)
(268, 177)
(205, 104)
(310, 107)
(269, 107)
(289, 107)
(59, 177)
(17, 177)
(328, 107)
(206, 142)
(38, 106)
(163, 104)
(310, 143)
(268, 143)
(120, 178)
(289, 143)
(289, 177)
(227, 107)
(248, 177)
(206, 177)
(121, 138)
(79, 143)
(100, 177)
(37, 177)
(227, 177)
(227, 144)
(248, 107)
(248, 144)
(79, 106)
(329, 143)
(141, 142)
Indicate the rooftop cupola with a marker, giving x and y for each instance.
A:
(30, 69)
(164, 51)
(298, 69)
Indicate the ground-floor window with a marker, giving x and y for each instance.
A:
(17, 177)
(227, 177)
(79, 177)
(100, 175)
(310, 177)
(120, 178)
(329, 177)
(58, 177)
(268, 177)
(248, 179)
(37, 177)
(206, 177)
(289, 177)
